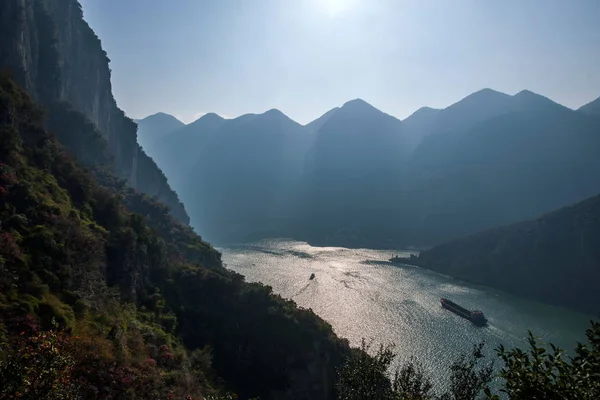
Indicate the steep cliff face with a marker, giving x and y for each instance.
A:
(56, 56)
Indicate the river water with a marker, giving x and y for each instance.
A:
(363, 296)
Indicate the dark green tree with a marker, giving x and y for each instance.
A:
(468, 377)
(543, 375)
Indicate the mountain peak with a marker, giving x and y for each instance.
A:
(277, 115)
(487, 93)
(212, 116)
(358, 107)
(274, 112)
(160, 116)
(424, 111)
(484, 99)
(357, 103)
(529, 98)
(528, 94)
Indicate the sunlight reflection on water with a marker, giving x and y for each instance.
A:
(361, 295)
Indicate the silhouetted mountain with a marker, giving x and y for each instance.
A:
(354, 162)
(420, 124)
(177, 151)
(151, 128)
(242, 173)
(318, 123)
(474, 108)
(350, 177)
(468, 112)
(355, 140)
(526, 100)
(554, 258)
(506, 169)
(507, 158)
(592, 108)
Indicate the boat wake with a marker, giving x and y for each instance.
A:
(301, 290)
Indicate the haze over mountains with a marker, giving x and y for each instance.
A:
(151, 128)
(359, 177)
(553, 258)
(591, 108)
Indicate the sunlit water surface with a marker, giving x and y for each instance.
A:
(363, 296)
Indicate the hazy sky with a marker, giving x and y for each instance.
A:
(304, 57)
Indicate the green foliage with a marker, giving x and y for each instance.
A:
(78, 135)
(367, 377)
(118, 305)
(37, 366)
(412, 383)
(467, 377)
(152, 310)
(533, 375)
(539, 374)
(259, 342)
(52, 309)
(532, 258)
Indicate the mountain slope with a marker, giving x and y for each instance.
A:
(554, 258)
(315, 125)
(241, 174)
(354, 141)
(55, 55)
(355, 161)
(506, 169)
(132, 309)
(420, 124)
(470, 111)
(177, 151)
(153, 127)
(591, 108)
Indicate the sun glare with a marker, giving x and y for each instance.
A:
(335, 8)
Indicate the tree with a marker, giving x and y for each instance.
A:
(366, 377)
(467, 377)
(541, 375)
(411, 383)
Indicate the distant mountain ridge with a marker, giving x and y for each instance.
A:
(244, 165)
(355, 175)
(151, 128)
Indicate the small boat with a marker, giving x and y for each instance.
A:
(402, 259)
(312, 276)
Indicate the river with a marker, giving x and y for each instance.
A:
(362, 296)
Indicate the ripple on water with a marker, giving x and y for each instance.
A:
(363, 296)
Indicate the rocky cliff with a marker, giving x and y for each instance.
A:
(51, 51)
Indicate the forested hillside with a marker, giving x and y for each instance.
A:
(554, 258)
(140, 304)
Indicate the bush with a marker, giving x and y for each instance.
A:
(37, 366)
(52, 309)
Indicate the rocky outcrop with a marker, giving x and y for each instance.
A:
(53, 53)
